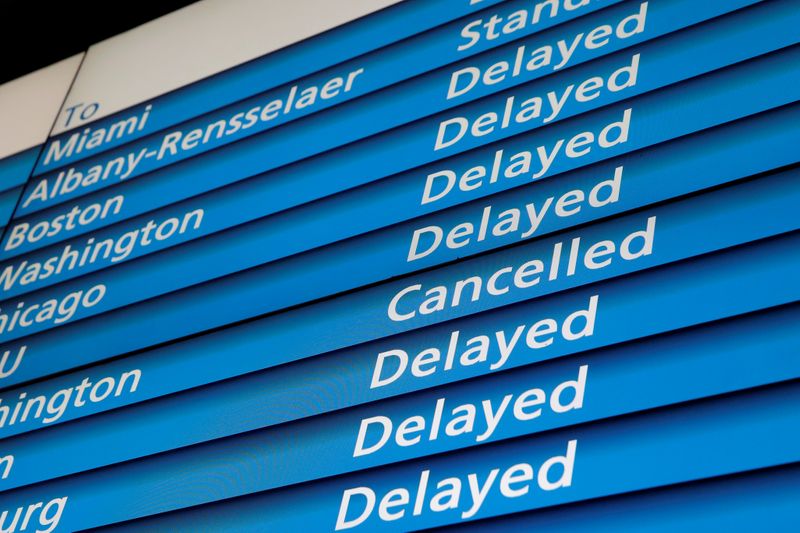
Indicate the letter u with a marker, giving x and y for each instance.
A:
(4, 373)
(13, 525)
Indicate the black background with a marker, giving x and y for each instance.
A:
(36, 34)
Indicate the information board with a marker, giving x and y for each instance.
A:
(385, 265)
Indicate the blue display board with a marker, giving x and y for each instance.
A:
(477, 264)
